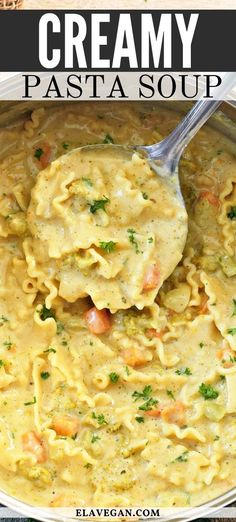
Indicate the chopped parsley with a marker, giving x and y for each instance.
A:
(231, 331)
(201, 344)
(140, 420)
(87, 182)
(108, 246)
(208, 392)
(170, 394)
(8, 344)
(232, 213)
(60, 327)
(108, 139)
(182, 458)
(127, 370)
(145, 196)
(95, 438)
(38, 153)
(217, 437)
(99, 204)
(88, 465)
(131, 234)
(114, 377)
(150, 240)
(145, 394)
(45, 375)
(100, 418)
(1, 363)
(30, 403)
(50, 350)
(234, 307)
(146, 406)
(45, 313)
(3, 320)
(184, 371)
(74, 437)
(65, 146)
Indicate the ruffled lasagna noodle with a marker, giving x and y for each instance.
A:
(142, 413)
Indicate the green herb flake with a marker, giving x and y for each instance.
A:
(114, 377)
(74, 437)
(50, 350)
(88, 465)
(8, 344)
(3, 319)
(234, 307)
(100, 418)
(217, 437)
(87, 182)
(44, 375)
(45, 313)
(108, 246)
(183, 457)
(65, 146)
(1, 363)
(30, 403)
(201, 344)
(127, 370)
(132, 239)
(170, 394)
(38, 153)
(231, 331)
(150, 240)
(148, 404)
(208, 392)
(145, 196)
(140, 420)
(95, 438)
(232, 213)
(145, 394)
(60, 327)
(183, 371)
(99, 204)
(108, 139)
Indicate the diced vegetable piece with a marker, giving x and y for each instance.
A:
(178, 298)
(98, 321)
(151, 333)
(154, 413)
(151, 278)
(214, 412)
(66, 426)
(33, 443)
(134, 357)
(227, 357)
(174, 413)
(210, 197)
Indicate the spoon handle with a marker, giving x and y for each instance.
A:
(171, 148)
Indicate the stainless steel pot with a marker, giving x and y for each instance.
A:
(225, 122)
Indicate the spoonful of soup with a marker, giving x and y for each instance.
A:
(110, 222)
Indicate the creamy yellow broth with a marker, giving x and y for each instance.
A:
(143, 414)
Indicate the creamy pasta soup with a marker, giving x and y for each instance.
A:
(113, 393)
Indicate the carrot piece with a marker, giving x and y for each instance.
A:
(46, 156)
(226, 356)
(174, 413)
(97, 321)
(210, 197)
(134, 357)
(151, 278)
(154, 413)
(66, 426)
(33, 443)
(151, 332)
